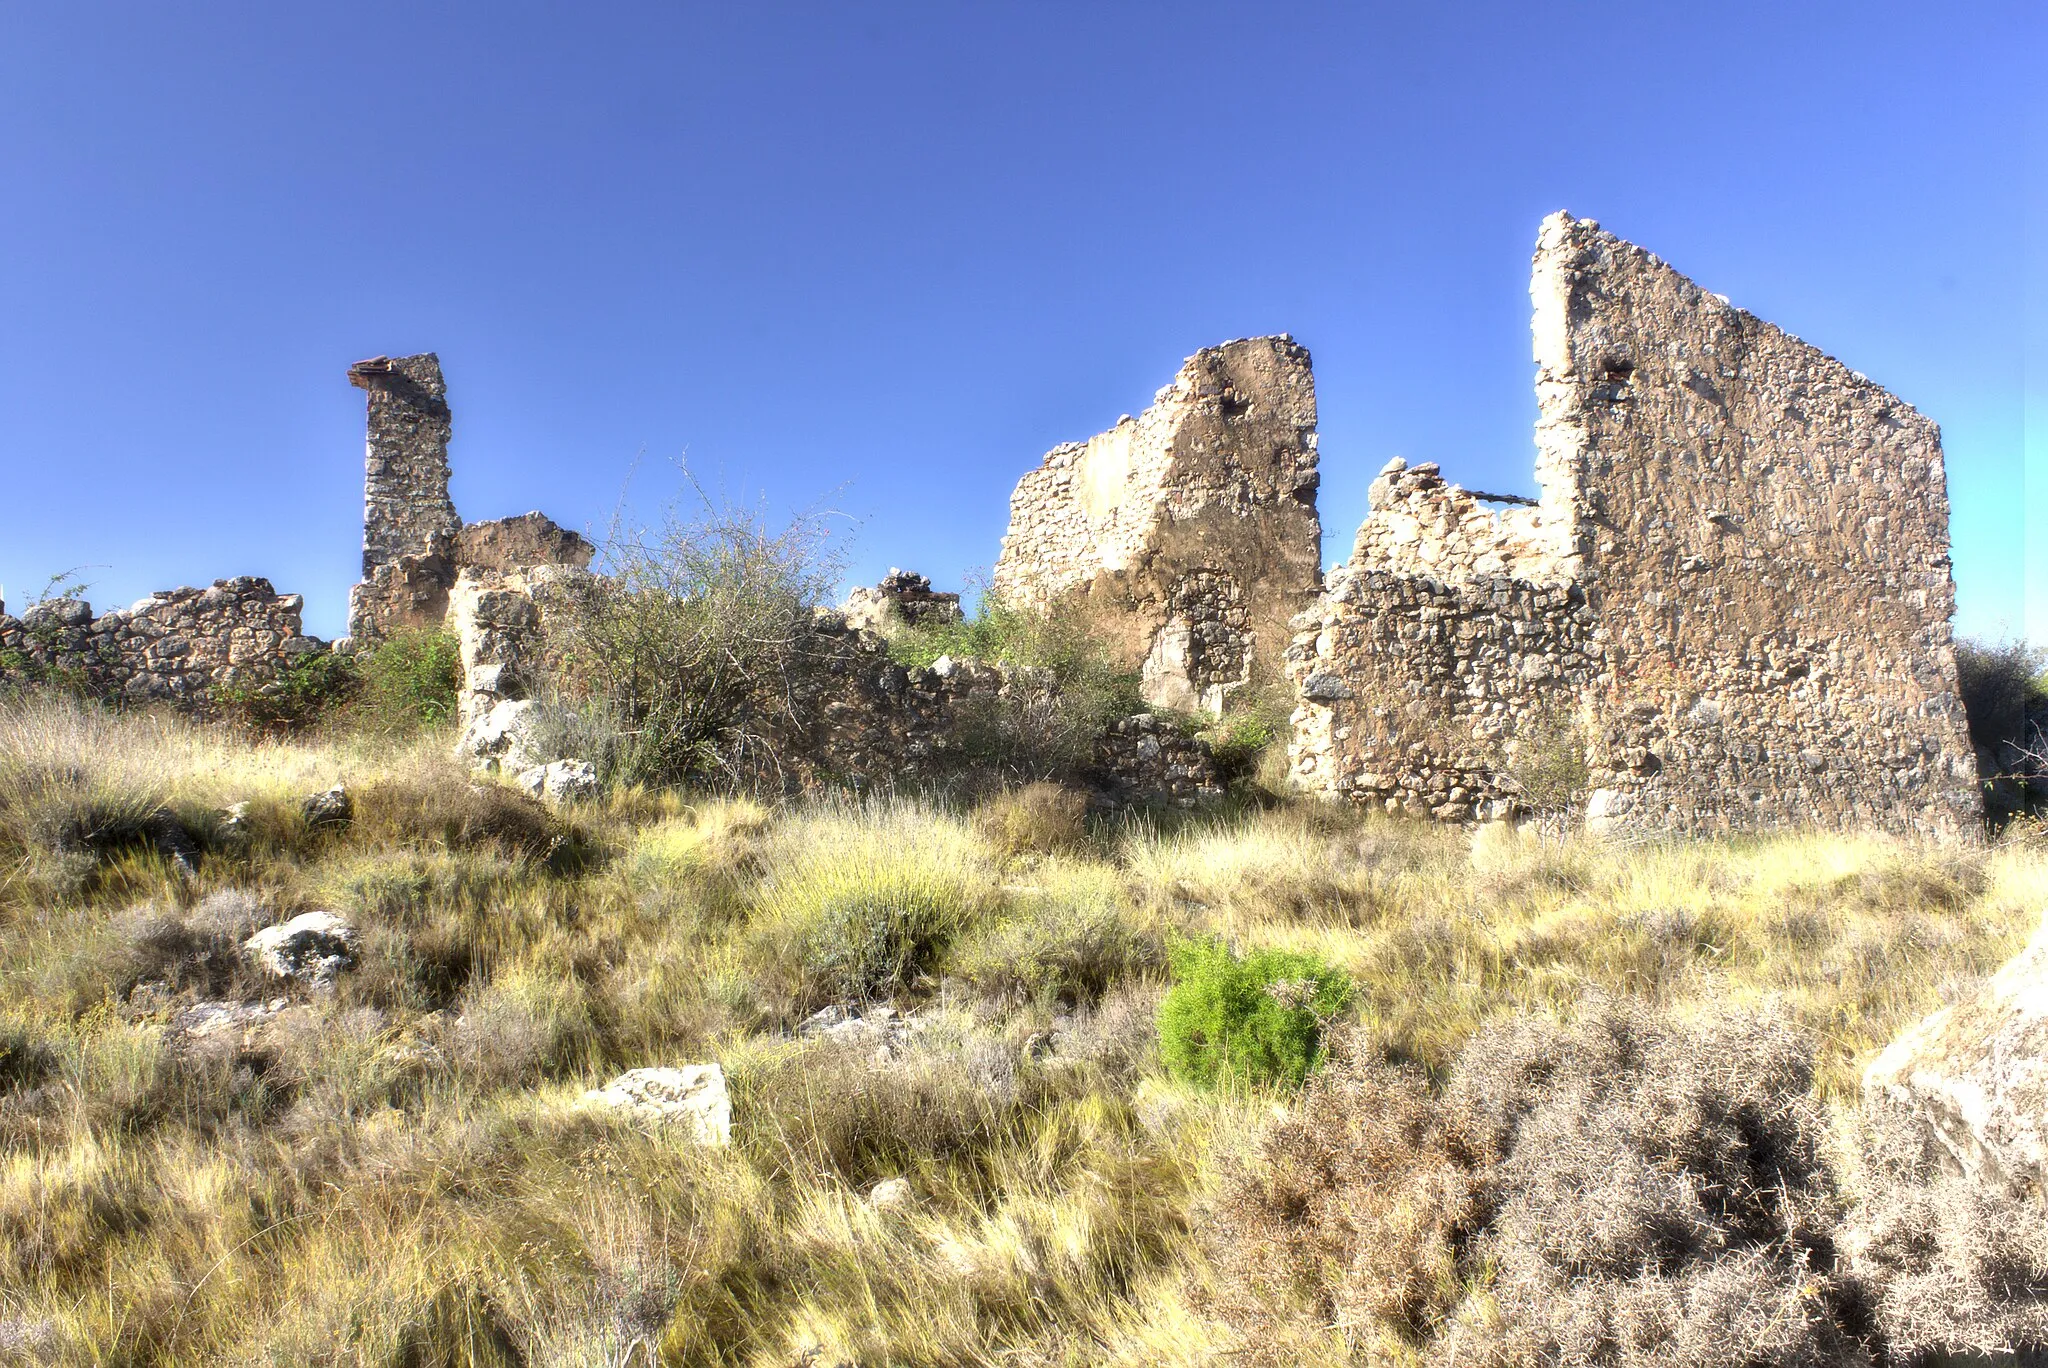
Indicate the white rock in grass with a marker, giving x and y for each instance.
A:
(501, 738)
(693, 1096)
(562, 781)
(313, 947)
(890, 1194)
(1975, 1075)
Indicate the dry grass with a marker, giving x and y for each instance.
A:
(392, 1171)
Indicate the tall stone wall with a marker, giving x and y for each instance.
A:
(1764, 539)
(175, 646)
(1188, 536)
(1730, 606)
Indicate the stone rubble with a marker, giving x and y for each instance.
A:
(902, 601)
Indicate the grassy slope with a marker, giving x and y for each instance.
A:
(394, 1173)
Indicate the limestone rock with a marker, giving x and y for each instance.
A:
(693, 1097)
(329, 808)
(891, 1194)
(1975, 1075)
(511, 544)
(501, 738)
(312, 947)
(561, 781)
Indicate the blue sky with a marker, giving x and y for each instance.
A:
(880, 257)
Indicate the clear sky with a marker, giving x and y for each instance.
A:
(881, 256)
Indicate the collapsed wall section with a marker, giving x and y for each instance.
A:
(1188, 536)
(1728, 611)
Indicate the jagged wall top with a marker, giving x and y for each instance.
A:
(1190, 532)
(1738, 610)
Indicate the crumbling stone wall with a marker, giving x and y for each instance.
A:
(405, 489)
(1732, 601)
(902, 600)
(858, 719)
(414, 543)
(1187, 536)
(175, 646)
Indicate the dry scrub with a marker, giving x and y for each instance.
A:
(198, 1165)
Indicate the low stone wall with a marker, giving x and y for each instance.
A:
(1437, 698)
(175, 646)
(857, 719)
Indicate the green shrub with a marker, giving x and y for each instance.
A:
(299, 696)
(694, 647)
(1258, 1019)
(408, 681)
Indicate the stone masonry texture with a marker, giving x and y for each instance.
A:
(415, 545)
(405, 486)
(173, 647)
(1729, 609)
(1187, 537)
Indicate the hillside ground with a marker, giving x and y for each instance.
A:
(396, 1170)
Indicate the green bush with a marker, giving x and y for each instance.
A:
(1066, 687)
(301, 695)
(408, 681)
(1257, 1019)
(693, 649)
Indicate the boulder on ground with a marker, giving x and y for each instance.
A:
(1975, 1076)
(312, 947)
(693, 1096)
(561, 781)
(331, 807)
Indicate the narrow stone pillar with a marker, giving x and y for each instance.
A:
(405, 465)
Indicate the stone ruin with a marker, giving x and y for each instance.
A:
(177, 646)
(415, 546)
(901, 602)
(1729, 609)
(862, 720)
(1186, 537)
